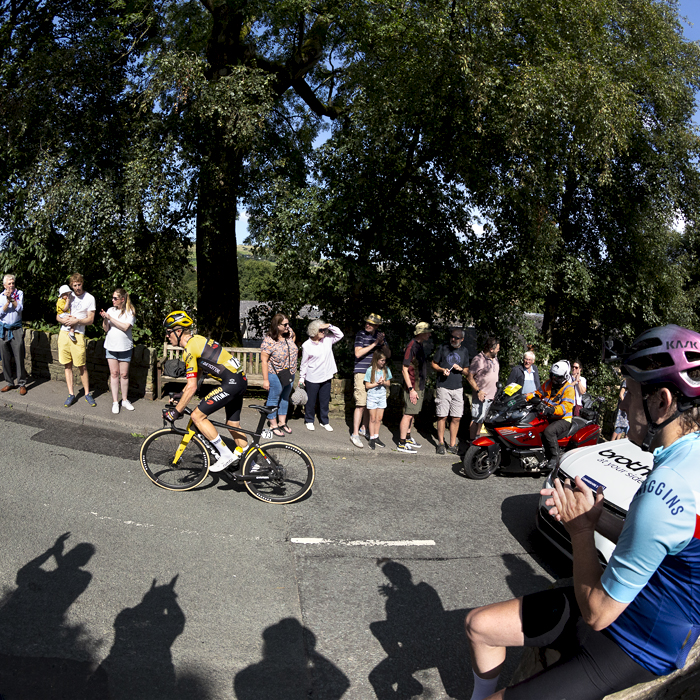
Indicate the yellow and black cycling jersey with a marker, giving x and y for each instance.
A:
(209, 357)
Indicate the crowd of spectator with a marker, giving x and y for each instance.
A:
(75, 309)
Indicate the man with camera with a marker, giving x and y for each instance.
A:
(12, 335)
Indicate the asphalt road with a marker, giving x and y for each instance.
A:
(358, 591)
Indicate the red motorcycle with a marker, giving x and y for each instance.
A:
(514, 441)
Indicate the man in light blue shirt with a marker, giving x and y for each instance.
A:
(12, 335)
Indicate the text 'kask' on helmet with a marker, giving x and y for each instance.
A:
(666, 355)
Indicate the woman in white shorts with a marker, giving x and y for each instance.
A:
(117, 322)
(377, 379)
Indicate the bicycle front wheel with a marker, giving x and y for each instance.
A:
(174, 461)
(294, 480)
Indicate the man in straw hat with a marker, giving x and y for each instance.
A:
(367, 340)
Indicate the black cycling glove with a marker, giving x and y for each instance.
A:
(171, 414)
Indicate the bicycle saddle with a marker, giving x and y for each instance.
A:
(263, 409)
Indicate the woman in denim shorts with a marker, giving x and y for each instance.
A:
(117, 322)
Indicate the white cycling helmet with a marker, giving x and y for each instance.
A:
(560, 372)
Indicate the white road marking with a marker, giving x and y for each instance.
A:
(365, 543)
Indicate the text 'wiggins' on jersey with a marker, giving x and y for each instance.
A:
(209, 357)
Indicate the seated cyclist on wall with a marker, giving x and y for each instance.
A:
(639, 618)
(558, 398)
(206, 356)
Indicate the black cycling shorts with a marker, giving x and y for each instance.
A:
(229, 395)
(592, 665)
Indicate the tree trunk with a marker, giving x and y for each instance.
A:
(218, 294)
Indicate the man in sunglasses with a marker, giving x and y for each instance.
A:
(367, 340)
(82, 314)
(451, 362)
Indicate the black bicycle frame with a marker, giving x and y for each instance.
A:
(255, 446)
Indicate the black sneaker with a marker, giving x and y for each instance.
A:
(410, 441)
(372, 443)
(452, 449)
(379, 443)
(440, 448)
(405, 447)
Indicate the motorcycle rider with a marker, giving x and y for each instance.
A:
(558, 398)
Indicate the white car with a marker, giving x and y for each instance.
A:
(619, 467)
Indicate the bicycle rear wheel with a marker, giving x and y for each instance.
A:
(297, 472)
(158, 452)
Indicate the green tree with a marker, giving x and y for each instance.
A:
(567, 126)
(89, 184)
(251, 88)
(257, 279)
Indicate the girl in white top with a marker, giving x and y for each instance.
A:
(117, 322)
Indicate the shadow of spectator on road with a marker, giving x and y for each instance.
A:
(291, 668)
(41, 654)
(417, 634)
(522, 577)
(518, 515)
(140, 664)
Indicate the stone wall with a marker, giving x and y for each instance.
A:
(343, 404)
(41, 362)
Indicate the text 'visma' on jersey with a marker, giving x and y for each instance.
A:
(207, 356)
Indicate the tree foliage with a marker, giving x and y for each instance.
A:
(486, 157)
(565, 127)
(89, 183)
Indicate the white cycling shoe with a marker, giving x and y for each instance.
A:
(223, 462)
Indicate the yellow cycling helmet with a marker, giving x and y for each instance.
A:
(178, 319)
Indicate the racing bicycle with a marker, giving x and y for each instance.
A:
(178, 459)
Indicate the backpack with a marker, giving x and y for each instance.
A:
(174, 368)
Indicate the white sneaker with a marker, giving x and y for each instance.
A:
(310, 426)
(127, 405)
(327, 427)
(115, 407)
(356, 441)
(362, 431)
(223, 462)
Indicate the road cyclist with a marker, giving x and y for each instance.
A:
(204, 356)
(180, 459)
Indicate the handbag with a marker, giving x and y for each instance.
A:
(284, 375)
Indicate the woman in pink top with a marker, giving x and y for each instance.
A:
(317, 369)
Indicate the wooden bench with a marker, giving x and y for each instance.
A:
(248, 357)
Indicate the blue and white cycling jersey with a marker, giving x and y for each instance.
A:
(656, 564)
